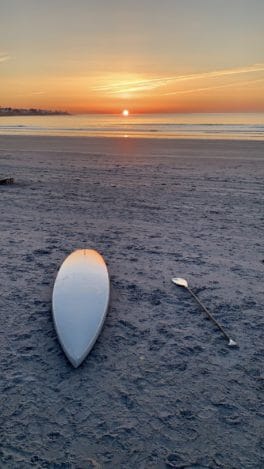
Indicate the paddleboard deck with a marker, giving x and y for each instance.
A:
(79, 302)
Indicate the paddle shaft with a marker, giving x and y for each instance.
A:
(209, 314)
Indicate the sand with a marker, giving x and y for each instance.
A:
(161, 388)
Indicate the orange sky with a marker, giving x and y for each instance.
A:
(148, 56)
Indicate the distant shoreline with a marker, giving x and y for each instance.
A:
(9, 111)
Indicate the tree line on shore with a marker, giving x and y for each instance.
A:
(9, 111)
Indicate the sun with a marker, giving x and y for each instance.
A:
(125, 112)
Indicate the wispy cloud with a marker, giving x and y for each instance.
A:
(221, 73)
(209, 88)
(136, 85)
(139, 85)
(4, 57)
(38, 92)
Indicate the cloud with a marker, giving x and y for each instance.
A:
(220, 73)
(124, 86)
(139, 85)
(4, 57)
(209, 88)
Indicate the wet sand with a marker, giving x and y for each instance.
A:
(161, 388)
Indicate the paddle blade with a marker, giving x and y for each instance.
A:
(232, 343)
(181, 282)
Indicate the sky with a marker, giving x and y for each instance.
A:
(102, 56)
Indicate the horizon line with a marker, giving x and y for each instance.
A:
(117, 113)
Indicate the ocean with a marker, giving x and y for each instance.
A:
(245, 126)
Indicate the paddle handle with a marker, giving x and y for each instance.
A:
(210, 316)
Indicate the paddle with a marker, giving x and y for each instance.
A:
(181, 282)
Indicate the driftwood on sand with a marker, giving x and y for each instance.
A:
(7, 181)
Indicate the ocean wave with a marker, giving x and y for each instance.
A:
(138, 126)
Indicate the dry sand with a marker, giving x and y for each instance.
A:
(161, 388)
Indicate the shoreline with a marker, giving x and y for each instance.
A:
(137, 137)
(165, 148)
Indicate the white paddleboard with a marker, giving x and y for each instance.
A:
(79, 302)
